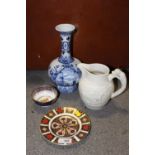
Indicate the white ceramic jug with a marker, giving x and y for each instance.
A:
(96, 85)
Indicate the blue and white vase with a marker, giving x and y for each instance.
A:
(63, 71)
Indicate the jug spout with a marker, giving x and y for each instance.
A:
(84, 69)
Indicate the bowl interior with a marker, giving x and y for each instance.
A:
(44, 95)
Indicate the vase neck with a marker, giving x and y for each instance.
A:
(65, 48)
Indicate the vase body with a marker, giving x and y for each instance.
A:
(63, 70)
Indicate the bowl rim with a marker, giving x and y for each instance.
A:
(44, 87)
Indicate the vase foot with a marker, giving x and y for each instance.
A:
(67, 89)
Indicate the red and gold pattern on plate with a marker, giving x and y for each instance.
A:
(65, 126)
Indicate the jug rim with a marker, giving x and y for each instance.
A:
(96, 67)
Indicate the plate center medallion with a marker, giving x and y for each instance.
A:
(65, 126)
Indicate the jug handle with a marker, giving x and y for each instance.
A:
(117, 73)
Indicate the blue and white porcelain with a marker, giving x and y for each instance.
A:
(63, 71)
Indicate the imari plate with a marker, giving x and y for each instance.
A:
(65, 126)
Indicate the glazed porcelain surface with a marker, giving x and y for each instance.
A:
(45, 95)
(63, 71)
(96, 85)
(65, 126)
